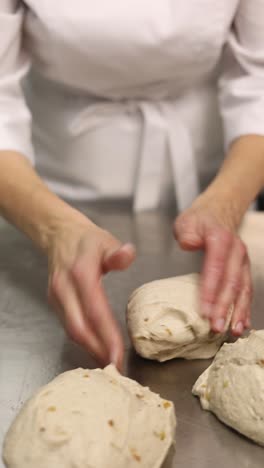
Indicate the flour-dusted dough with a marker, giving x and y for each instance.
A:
(164, 321)
(91, 419)
(233, 386)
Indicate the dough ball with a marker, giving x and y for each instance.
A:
(91, 419)
(233, 386)
(164, 321)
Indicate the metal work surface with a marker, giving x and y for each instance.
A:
(34, 348)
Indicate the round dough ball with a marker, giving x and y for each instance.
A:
(233, 386)
(164, 321)
(91, 419)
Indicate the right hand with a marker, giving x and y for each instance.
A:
(226, 276)
(79, 254)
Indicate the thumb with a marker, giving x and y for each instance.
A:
(119, 259)
(187, 232)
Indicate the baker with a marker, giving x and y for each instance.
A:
(139, 100)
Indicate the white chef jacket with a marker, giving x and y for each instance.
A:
(124, 97)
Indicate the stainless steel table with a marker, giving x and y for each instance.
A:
(34, 349)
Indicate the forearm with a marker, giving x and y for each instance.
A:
(241, 177)
(27, 203)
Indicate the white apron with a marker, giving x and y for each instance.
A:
(148, 150)
(124, 99)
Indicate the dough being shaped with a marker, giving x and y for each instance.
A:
(233, 386)
(164, 321)
(91, 419)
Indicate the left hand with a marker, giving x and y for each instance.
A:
(226, 277)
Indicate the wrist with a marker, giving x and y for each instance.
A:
(232, 195)
(227, 208)
(239, 180)
(241, 176)
(60, 223)
(43, 217)
(26, 202)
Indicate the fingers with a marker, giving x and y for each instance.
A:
(97, 310)
(218, 246)
(230, 286)
(225, 278)
(86, 315)
(119, 259)
(78, 258)
(242, 310)
(70, 312)
(248, 317)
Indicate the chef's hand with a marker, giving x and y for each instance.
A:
(226, 277)
(79, 255)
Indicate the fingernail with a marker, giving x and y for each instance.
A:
(219, 325)
(128, 246)
(238, 328)
(207, 310)
(248, 323)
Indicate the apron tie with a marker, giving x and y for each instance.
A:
(148, 190)
(163, 135)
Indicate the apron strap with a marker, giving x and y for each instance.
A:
(185, 173)
(153, 150)
(163, 132)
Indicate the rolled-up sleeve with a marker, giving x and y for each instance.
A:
(241, 84)
(15, 118)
